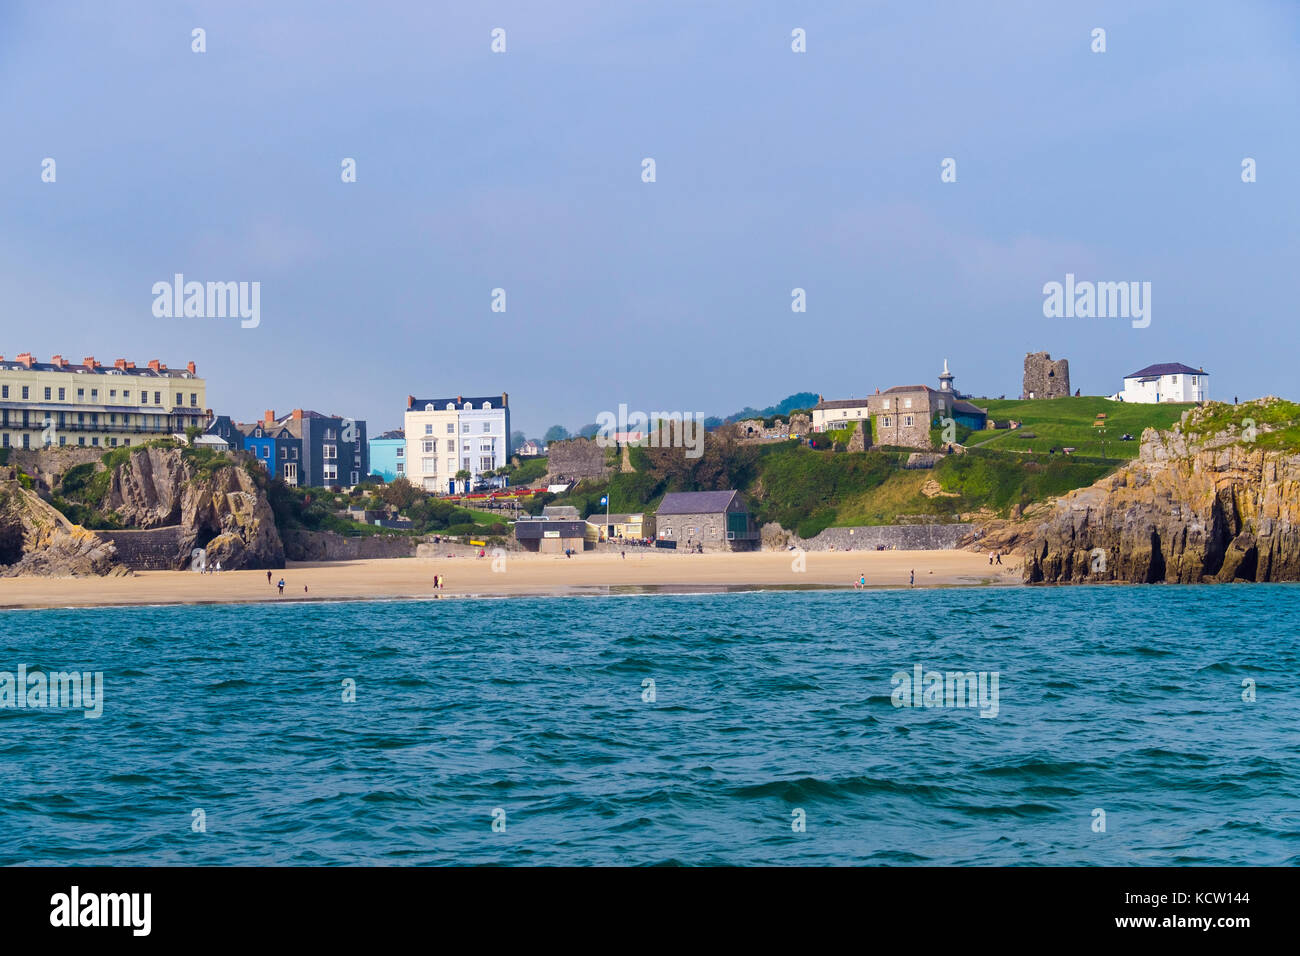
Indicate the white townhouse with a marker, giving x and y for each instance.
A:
(445, 436)
(1166, 382)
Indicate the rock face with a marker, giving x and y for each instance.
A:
(35, 539)
(222, 511)
(1189, 509)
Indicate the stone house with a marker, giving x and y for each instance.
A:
(838, 413)
(718, 520)
(553, 537)
(903, 414)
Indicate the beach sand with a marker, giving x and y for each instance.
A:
(522, 574)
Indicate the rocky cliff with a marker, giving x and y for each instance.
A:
(37, 539)
(220, 509)
(1217, 498)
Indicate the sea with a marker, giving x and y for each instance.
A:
(1153, 725)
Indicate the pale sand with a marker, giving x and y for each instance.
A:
(523, 574)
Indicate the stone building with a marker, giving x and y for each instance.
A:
(574, 459)
(1045, 378)
(554, 537)
(719, 520)
(903, 414)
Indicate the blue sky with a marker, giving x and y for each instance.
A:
(775, 170)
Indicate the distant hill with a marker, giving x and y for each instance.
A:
(783, 407)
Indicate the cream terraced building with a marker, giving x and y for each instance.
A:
(57, 403)
(445, 436)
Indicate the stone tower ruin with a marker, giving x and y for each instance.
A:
(1045, 378)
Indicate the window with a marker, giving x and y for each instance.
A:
(4, 391)
(329, 451)
(62, 394)
(47, 394)
(126, 394)
(487, 406)
(194, 399)
(485, 463)
(179, 400)
(284, 452)
(354, 477)
(431, 445)
(887, 421)
(451, 428)
(157, 398)
(429, 465)
(451, 406)
(428, 429)
(401, 452)
(907, 421)
(330, 472)
(464, 461)
(24, 396)
(487, 427)
(907, 403)
(464, 428)
(401, 469)
(451, 464)
(464, 446)
(485, 446)
(330, 434)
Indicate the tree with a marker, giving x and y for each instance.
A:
(588, 431)
(401, 494)
(517, 438)
(555, 433)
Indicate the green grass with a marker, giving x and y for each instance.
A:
(1281, 418)
(1068, 422)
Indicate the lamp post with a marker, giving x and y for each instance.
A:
(605, 501)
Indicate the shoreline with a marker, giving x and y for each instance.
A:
(522, 575)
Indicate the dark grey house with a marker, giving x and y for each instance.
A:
(334, 449)
(717, 520)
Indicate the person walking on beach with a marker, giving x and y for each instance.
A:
(911, 581)
(281, 585)
(990, 557)
(268, 577)
(861, 582)
(999, 561)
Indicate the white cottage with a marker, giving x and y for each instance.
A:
(1167, 382)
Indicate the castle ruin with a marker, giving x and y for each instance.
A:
(1045, 378)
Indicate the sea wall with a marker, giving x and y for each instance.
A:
(901, 537)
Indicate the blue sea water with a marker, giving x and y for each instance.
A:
(1122, 699)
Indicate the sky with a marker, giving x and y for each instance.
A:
(774, 170)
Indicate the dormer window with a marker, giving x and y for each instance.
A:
(451, 406)
(429, 407)
(487, 406)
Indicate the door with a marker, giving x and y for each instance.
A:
(291, 473)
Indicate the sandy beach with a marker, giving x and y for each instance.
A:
(520, 574)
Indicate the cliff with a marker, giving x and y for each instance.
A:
(1216, 498)
(36, 539)
(216, 504)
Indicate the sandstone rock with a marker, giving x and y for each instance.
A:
(37, 540)
(1189, 509)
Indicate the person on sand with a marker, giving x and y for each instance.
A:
(861, 582)
(912, 580)
(304, 589)
(268, 577)
(990, 557)
(999, 561)
(280, 585)
(624, 553)
(218, 567)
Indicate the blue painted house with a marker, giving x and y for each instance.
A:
(277, 449)
(388, 455)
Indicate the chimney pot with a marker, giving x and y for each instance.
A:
(88, 361)
(153, 364)
(119, 364)
(270, 416)
(190, 367)
(26, 359)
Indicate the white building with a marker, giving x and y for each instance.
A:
(445, 436)
(1167, 382)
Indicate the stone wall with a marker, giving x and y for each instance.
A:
(1045, 378)
(903, 537)
(47, 464)
(575, 459)
(328, 546)
(153, 549)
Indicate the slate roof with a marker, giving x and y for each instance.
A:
(695, 502)
(414, 404)
(1167, 368)
(911, 388)
(968, 408)
(842, 403)
(526, 530)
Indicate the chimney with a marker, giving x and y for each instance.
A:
(410, 401)
(130, 365)
(505, 399)
(270, 416)
(153, 364)
(119, 364)
(57, 360)
(89, 362)
(297, 414)
(25, 358)
(189, 367)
